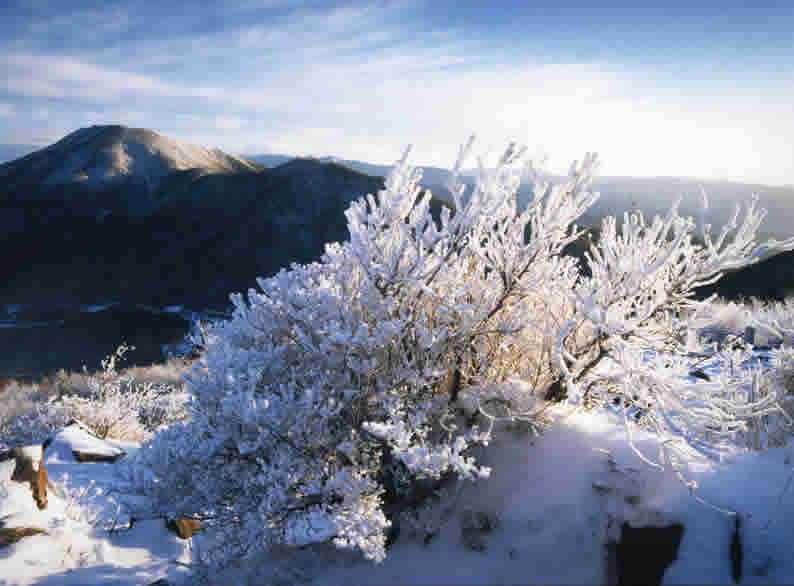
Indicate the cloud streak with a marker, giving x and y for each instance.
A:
(363, 80)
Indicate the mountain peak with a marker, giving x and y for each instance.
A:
(100, 155)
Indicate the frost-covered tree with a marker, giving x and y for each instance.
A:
(334, 369)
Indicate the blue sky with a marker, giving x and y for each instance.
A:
(702, 88)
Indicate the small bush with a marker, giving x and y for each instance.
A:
(110, 403)
(118, 409)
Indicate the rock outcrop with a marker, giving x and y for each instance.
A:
(185, 528)
(29, 469)
(82, 456)
(10, 535)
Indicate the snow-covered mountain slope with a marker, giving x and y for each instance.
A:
(98, 156)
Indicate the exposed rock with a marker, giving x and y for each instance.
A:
(611, 572)
(89, 457)
(737, 554)
(160, 582)
(644, 553)
(30, 468)
(9, 535)
(699, 373)
(642, 542)
(430, 536)
(185, 528)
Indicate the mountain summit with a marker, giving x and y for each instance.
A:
(100, 157)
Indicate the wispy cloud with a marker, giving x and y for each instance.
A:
(362, 80)
(51, 76)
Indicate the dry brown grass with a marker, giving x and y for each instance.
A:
(76, 383)
(21, 396)
(167, 373)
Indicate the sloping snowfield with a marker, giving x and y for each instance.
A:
(552, 502)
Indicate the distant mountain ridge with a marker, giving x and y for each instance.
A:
(652, 195)
(771, 279)
(110, 212)
(126, 214)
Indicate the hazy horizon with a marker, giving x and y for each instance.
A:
(11, 152)
(678, 89)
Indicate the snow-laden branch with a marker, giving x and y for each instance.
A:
(638, 303)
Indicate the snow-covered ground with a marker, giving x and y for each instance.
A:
(76, 547)
(553, 502)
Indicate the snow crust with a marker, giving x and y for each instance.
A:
(562, 496)
(77, 437)
(76, 548)
(557, 497)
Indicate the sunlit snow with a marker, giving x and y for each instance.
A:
(557, 498)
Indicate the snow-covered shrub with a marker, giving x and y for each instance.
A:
(164, 406)
(33, 425)
(331, 369)
(116, 408)
(720, 322)
(783, 370)
(334, 367)
(81, 502)
(773, 428)
(774, 321)
(756, 389)
(639, 302)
